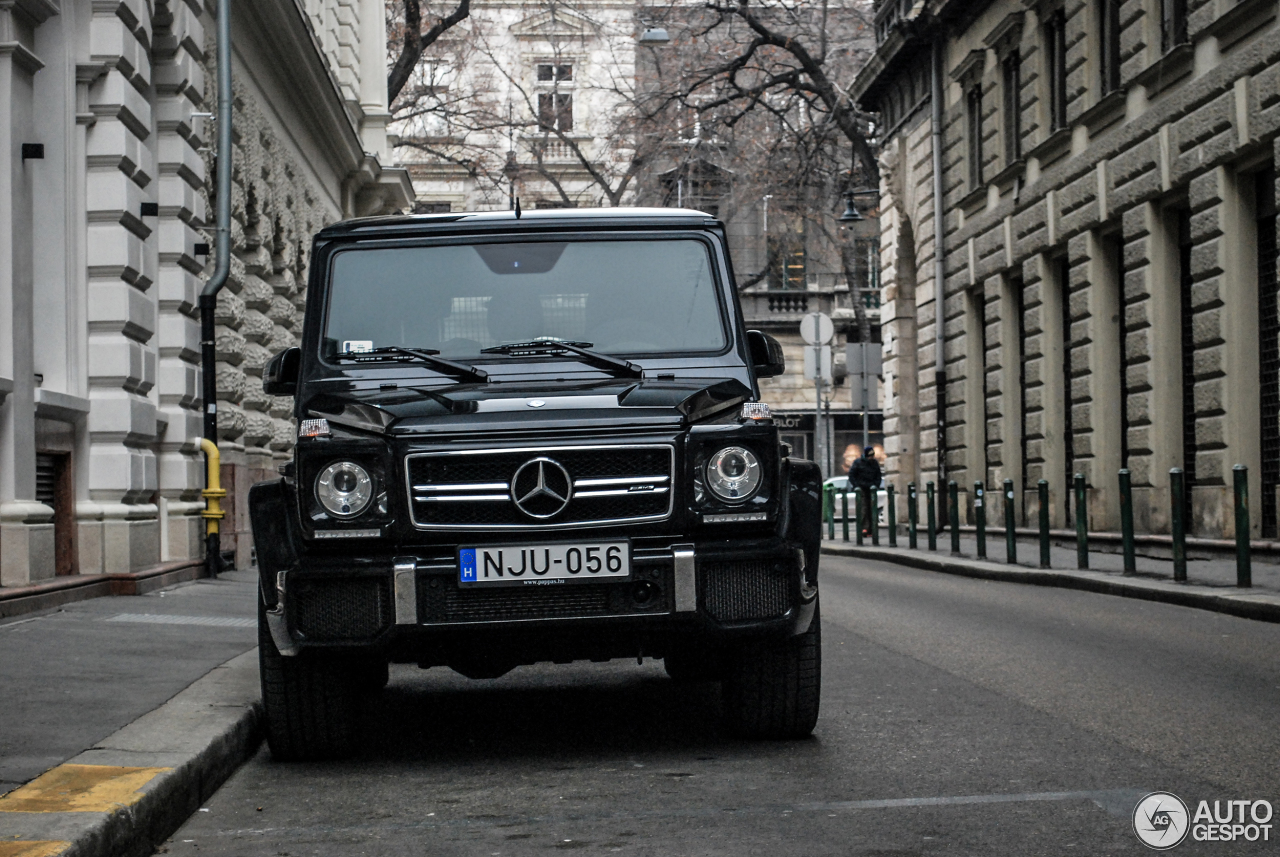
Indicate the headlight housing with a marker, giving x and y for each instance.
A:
(733, 474)
(344, 489)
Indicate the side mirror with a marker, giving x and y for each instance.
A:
(766, 354)
(280, 375)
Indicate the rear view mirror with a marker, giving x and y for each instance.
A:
(280, 375)
(766, 354)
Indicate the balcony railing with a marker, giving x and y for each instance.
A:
(779, 305)
(554, 151)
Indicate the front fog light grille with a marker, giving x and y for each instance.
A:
(333, 610)
(734, 591)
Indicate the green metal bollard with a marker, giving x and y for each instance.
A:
(1126, 522)
(913, 515)
(873, 499)
(1177, 494)
(1010, 521)
(828, 509)
(1042, 490)
(844, 510)
(953, 495)
(1082, 524)
(980, 518)
(857, 524)
(932, 515)
(1244, 567)
(893, 517)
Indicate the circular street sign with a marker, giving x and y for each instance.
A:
(816, 328)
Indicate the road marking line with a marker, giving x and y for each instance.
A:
(163, 619)
(1115, 802)
(32, 848)
(1103, 798)
(80, 788)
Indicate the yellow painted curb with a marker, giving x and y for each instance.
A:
(78, 788)
(32, 849)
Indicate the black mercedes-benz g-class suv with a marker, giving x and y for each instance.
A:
(532, 438)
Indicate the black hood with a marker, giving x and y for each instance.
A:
(524, 405)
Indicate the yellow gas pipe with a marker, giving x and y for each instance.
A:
(213, 494)
(212, 513)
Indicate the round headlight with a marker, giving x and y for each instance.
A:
(733, 473)
(344, 489)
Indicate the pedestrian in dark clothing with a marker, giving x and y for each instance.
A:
(864, 476)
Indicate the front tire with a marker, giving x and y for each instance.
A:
(771, 688)
(310, 702)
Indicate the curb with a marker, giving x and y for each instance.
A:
(1262, 606)
(171, 761)
(15, 601)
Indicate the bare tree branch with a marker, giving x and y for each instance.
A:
(416, 41)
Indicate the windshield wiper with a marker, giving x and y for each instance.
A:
(619, 368)
(426, 355)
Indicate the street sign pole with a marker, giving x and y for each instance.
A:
(816, 329)
(818, 454)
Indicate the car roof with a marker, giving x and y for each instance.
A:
(507, 221)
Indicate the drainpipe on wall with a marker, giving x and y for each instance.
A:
(939, 265)
(209, 295)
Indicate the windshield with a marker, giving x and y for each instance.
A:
(632, 297)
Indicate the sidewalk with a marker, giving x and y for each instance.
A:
(1210, 585)
(122, 713)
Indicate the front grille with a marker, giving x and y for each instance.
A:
(448, 603)
(331, 610)
(472, 489)
(745, 590)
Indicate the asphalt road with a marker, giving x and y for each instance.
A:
(958, 717)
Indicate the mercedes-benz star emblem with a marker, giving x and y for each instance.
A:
(541, 488)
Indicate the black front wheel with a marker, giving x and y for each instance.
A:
(310, 702)
(771, 688)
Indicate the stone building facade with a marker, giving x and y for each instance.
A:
(105, 231)
(1106, 295)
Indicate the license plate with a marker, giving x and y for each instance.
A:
(544, 564)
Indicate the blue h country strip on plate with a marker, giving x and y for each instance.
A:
(467, 565)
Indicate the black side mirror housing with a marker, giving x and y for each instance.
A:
(280, 375)
(766, 354)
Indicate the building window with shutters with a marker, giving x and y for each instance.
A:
(1108, 46)
(555, 111)
(1055, 53)
(555, 104)
(1011, 85)
(973, 119)
(1173, 24)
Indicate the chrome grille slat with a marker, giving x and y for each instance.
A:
(464, 486)
(629, 480)
(462, 498)
(620, 492)
(458, 489)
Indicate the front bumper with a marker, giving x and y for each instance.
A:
(410, 607)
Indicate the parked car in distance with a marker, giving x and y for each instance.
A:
(841, 484)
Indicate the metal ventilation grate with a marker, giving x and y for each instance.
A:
(46, 478)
